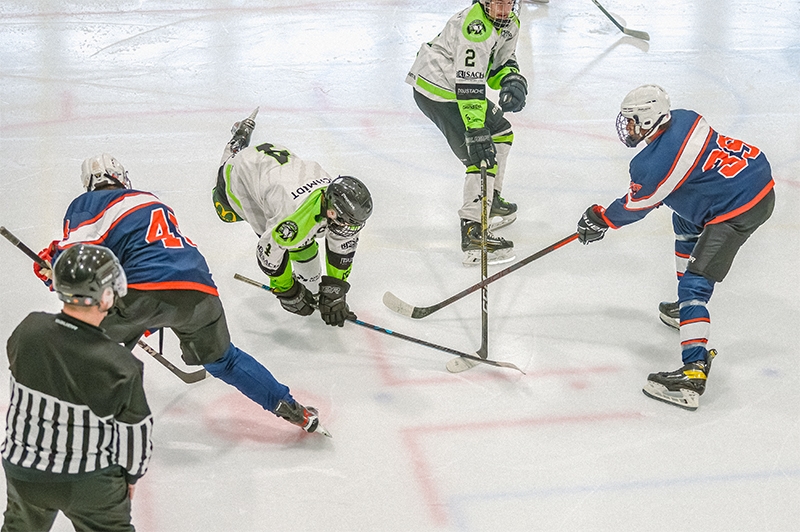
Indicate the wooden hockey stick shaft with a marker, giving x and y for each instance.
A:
(396, 334)
(182, 375)
(633, 33)
(401, 307)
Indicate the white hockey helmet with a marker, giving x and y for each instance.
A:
(648, 107)
(103, 170)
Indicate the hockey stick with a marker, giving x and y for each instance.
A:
(457, 365)
(182, 375)
(396, 334)
(643, 35)
(188, 378)
(401, 307)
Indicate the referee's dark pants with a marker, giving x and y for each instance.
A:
(95, 502)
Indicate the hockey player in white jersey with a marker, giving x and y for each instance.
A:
(476, 48)
(290, 202)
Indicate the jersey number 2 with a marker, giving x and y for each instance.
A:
(730, 157)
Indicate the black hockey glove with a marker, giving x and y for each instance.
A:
(591, 226)
(332, 304)
(297, 300)
(513, 90)
(480, 146)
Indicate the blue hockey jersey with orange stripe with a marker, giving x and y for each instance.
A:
(703, 176)
(143, 233)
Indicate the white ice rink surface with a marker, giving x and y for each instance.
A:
(571, 445)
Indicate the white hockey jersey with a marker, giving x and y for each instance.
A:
(468, 54)
(280, 195)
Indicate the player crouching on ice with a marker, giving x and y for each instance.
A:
(290, 202)
(721, 191)
(169, 284)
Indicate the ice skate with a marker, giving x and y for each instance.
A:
(242, 131)
(502, 212)
(670, 314)
(499, 250)
(682, 387)
(307, 418)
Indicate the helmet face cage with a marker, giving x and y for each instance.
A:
(492, 10)
(648, 106)
(87, 275)
(351, 202)
(103, 170)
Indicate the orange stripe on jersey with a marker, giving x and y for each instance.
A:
(744, 208)
(176, 285)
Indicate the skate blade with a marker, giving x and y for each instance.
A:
(686, 399)
(501, 221)
(670, 322)
(457, 365)
(472, 257)
(322, 430)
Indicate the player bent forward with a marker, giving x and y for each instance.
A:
(78, 433)
(721, 191)
(290, 203)
(170, 284)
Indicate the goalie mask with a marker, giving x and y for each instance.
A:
(87, 275)
(102, 171)
(648, 107)
(499, 11)
(351, 203)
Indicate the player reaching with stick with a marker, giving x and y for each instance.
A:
(721, 191)
(290, 203)
(169, 284)
(476, 48)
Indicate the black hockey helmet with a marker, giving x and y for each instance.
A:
(88, 275)
(350, 199)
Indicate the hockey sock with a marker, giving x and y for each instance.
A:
(694, 291)
(247, 375)
(686, 235)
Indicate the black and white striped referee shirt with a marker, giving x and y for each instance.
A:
(77, 402)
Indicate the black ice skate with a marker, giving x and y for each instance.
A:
(242, 131)
(502, 212)
(498, 250)
(670, 314)
(307, 418)
(682, 387)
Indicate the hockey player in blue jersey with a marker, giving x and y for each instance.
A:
(169, 284)
(720, 190)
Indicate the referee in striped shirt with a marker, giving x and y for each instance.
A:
(78, 427)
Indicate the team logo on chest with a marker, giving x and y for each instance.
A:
(287, 230)
(476, 27)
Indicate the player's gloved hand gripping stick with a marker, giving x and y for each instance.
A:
(188, 378)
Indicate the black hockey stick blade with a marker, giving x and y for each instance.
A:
(22, 247)
(643, 35)
(188, 378)
(396, 334)
(405, 309)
